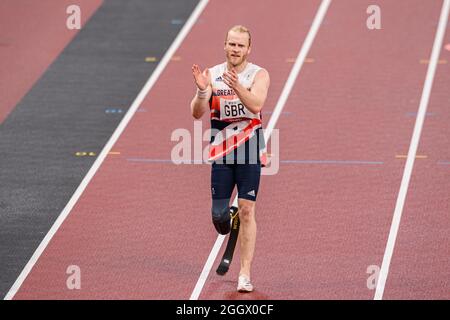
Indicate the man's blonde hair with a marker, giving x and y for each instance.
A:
(240, 29)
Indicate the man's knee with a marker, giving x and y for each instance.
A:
(246, 212)
(221, 215)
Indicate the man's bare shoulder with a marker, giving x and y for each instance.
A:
(262, 72)
(262, 75)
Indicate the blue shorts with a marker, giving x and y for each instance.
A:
(225, 176)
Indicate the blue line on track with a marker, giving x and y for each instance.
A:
(331, 162)
(286, 113)
(344, 162)
(159, 160)
(176, 21)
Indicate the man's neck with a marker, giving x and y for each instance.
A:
(238, 68)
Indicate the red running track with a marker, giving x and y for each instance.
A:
(322, 225)
(142, 230)
(420, 264)
(32, 35)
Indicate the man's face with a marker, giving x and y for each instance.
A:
(237, 47)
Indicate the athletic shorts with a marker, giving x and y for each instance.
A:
(225, 176)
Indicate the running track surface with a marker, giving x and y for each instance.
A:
(30, 39)
(142, 230)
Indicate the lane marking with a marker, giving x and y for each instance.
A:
(85, 154)
(286, 113)
(113, 110)
(115, 136)
(414, 114)
(150, 59)
(426, 61)
(176, 21)
(354, 162)
(267, 133)
(404, 156)
(412, 150)
(307, 60)
(150, 160)
(331, 162)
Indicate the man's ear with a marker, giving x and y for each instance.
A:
(249, 50)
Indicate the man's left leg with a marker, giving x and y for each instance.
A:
(247, 178)
(247, 234)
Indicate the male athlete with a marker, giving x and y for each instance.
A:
(234, 92)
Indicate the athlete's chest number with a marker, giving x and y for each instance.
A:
(234, 110)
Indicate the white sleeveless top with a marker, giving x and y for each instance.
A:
(232, 123)
(225, 104)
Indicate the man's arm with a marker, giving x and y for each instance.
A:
(254, 98)
(199, 104)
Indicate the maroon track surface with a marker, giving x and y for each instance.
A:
(32, 35)
(420, 265)
(143, 230)
(321, 226)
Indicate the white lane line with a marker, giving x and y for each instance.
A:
(412, 151)
(268, 131)
(115, 136)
